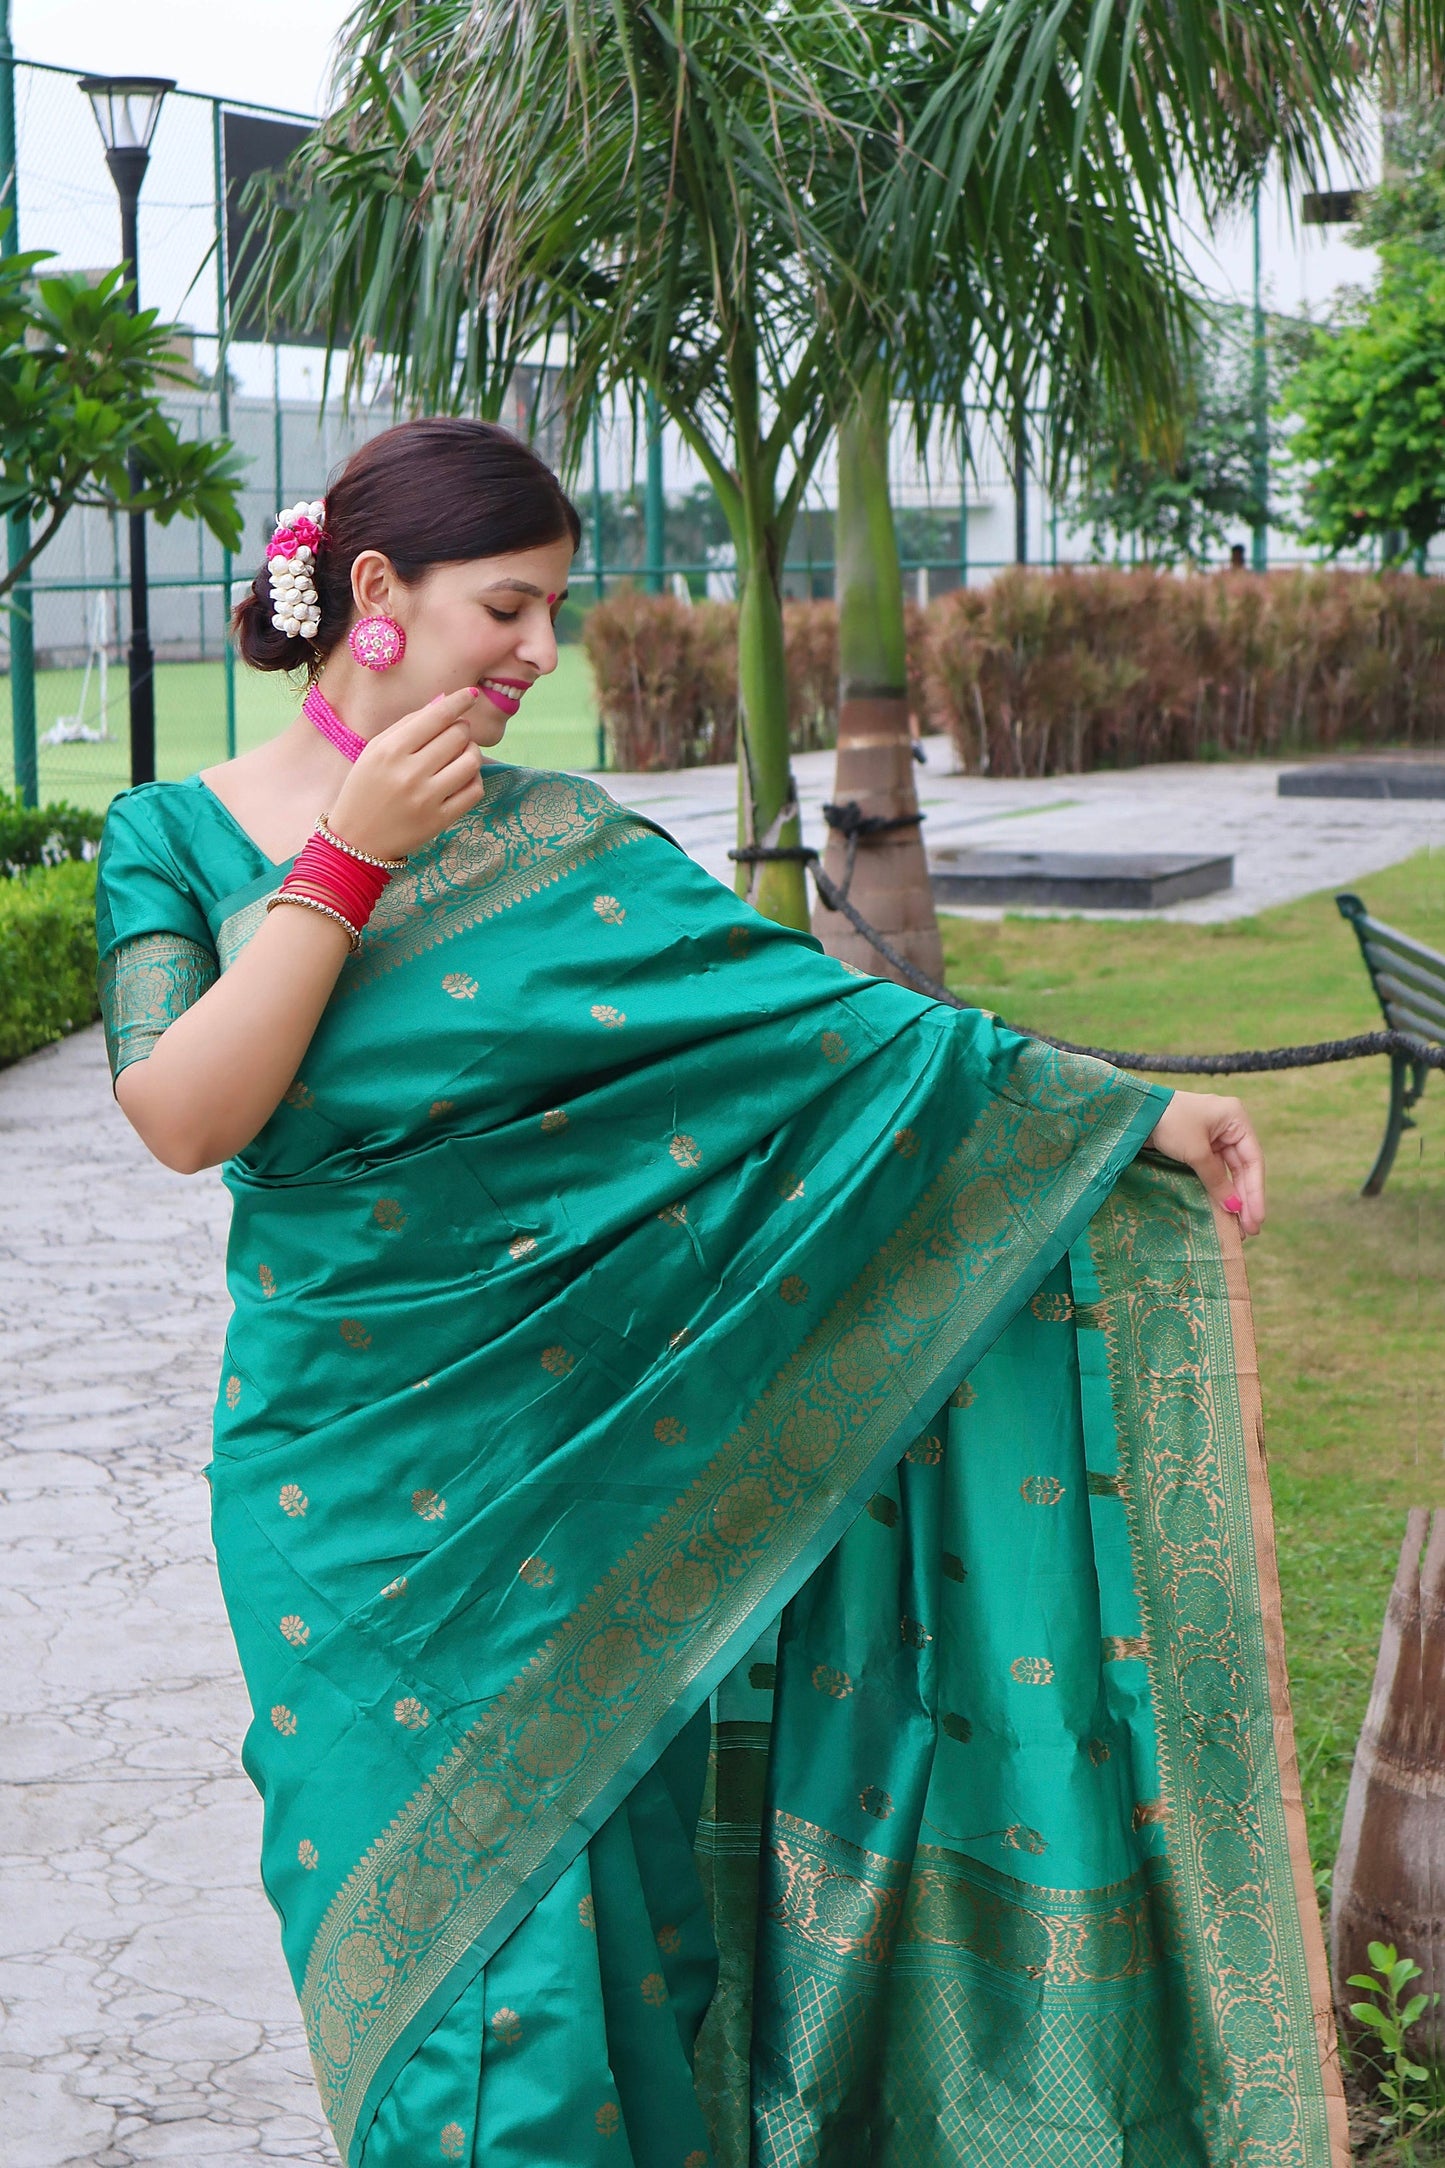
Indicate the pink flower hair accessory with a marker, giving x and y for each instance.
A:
(290, 561)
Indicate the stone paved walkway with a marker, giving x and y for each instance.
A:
(147, 2013)
(1283, 847)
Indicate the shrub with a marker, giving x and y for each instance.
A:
(1048, 672)
(667, 679)
(47, 956)
(1043, 673)
(44, 835)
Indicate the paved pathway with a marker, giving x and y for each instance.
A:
(1283, 847)
(148, 2016)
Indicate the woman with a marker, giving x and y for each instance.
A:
(737, 1488)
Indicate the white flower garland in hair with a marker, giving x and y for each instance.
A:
(290, 557)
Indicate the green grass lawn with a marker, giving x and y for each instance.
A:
(1349, 1291)
(557, 726)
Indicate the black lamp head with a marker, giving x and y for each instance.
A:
(126, 107)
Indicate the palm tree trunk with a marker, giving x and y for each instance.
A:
(875, 765)
(767, 795)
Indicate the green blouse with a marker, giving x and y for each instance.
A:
(172, 864)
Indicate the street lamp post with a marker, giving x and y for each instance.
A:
(126, 109)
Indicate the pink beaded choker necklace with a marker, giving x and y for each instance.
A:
(318, 710)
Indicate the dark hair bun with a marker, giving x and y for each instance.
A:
(260, 645)
(434, 492)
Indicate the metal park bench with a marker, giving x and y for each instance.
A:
(1409, 983)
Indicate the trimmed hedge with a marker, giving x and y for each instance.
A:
(44, 835)
(667, 677)
(1044, 673)
(47, 956)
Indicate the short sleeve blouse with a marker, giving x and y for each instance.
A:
(168, 853)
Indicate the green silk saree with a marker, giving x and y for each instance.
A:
(739, 1493)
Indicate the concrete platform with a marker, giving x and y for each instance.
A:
(1366, 779)
(1077, 880)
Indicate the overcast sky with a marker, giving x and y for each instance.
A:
(274, 52)
(277, 52)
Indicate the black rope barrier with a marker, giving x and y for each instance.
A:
(849, 821)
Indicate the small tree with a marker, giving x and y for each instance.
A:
(80, 391)
(1179, 507)
(1370, 396)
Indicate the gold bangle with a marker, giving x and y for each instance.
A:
(313, 903)
(324, 829)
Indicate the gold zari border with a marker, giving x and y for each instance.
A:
(1174, 1312)
(144, 985)
(529, 832)
(862, 1906)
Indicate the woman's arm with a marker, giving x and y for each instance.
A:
(216, 1076)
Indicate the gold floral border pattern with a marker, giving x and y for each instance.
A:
(1202, 1544)
(511, 1791)
(530, 831)
(144, 985)
(830, 1894)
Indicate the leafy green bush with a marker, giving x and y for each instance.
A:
(1369, 396)
(47, 956)
(44, 835)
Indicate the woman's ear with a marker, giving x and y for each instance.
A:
(374, 583)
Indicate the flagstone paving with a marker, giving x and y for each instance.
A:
(1283, 847)
(147, 2013)
(148, 2016)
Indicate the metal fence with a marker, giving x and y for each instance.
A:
(291, 439)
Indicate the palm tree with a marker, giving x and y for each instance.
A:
(1054, 149)
(628, 193)
(684, 213)
(772, 220)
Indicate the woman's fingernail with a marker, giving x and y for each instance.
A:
(475, 691)
(1233, 1203)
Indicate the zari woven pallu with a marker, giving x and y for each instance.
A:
(740, 1498)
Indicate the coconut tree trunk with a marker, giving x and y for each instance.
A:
(1389, 1883)
(767, 795)
(875, 768)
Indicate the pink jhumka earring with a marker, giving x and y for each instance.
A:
(377, 642)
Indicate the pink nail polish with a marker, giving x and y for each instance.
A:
(1232, 1203)
(475, 691)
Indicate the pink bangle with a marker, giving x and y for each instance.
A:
(348, 884)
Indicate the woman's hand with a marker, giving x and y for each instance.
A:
(1216, 1138)
(413, 780)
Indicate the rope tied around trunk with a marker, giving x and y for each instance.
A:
(850, 821)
